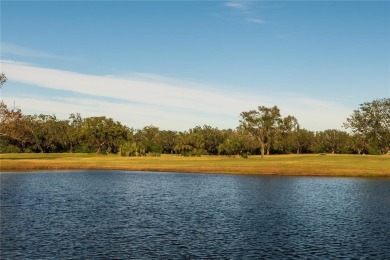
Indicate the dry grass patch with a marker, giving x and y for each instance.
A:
(317, 165)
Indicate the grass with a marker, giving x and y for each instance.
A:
(309, 165)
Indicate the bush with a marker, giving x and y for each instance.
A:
(9, 149)
(245, 155)
(374, 151)
(154, 154)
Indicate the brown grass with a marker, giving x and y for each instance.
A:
(310, 165)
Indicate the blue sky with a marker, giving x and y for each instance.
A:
(180, 64)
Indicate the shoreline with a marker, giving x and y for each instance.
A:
(48, 171)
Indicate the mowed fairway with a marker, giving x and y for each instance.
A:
(311, 165)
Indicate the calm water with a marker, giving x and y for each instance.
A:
(121, 215)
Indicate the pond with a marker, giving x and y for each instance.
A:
(146, 215)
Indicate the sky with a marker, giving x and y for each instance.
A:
(180, 64)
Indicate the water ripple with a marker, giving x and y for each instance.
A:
(132, 215)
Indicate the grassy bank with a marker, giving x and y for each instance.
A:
(315, 165)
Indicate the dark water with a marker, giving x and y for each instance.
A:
(122, 215)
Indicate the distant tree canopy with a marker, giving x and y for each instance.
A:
(261, 131)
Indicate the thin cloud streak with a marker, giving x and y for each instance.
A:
(130, 90)
(236, 4)
(132, 116)
(243, 9)
(167, 105)
(16, 50)
(255, 20)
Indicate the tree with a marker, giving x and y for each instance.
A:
(190, 143)
(283, 139)
(103, 133)
(358, 143)
(45, 131)
(261, 123)
(372, 122)
(168, 141)
(73, 131)
(130, 147)
(303, 140)
(3, 79)
(13, 127)
(212, 137)
(149, 137)
(332, 141)
(238, 142)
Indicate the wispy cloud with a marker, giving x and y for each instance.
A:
(236, 4)
(20, 51)
(244, 9)
(134, 115)
(255, 20)
(197, 105)
(168, 104)
(134, 90)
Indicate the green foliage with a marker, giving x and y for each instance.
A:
(358, 143)
(304, 139)
(285, 136)
(212, 138)
(46, 132)
(245, 155)
(372, 123)
(83, 148)
(14, 127)
(7, 147)
(238, 142)
(103, 133)
(331, 141)
(73, 133)
(271, 130)
(260, 131)
(190, 143)
(261, 124)
(373, 151)
(130, 148)
(168, 141)
(149, 140)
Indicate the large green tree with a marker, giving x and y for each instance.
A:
(332, 141)
(46, 131)
(149, 138)
(372, 122)
(14, 127)
(73, 132)
(284, 137)
(168, 141)
(190, 143)
(358, 143)
(238, 142)
(103, 133)
(212, 137)
(261, 123)
(303, 140)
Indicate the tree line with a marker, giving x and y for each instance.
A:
(260, 131)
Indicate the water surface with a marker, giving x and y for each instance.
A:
(141, 215)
